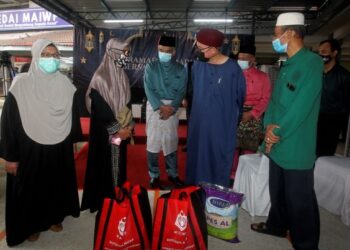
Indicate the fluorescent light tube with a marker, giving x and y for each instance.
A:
(213, 20)
(124, 21)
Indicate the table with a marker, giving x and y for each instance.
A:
(252, 179)
(332, 185)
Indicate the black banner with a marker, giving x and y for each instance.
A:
(143, 50)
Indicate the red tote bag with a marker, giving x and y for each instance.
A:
(177, 222)
(125, 222)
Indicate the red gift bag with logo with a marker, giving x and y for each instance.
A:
(179, 221)
(124, 222)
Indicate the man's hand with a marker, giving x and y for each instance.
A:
(184, 103)
(270, 137)
(247, 116)
(165, 111)
(11, 167)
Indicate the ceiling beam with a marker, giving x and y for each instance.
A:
(105, 5)
(14, 5)
(329, 11)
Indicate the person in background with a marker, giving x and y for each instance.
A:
(218, 95)
(165, 84)
(111, 124)
(187, 101)
(258, 91)
(39, 124)
(290, 138)
(25, 67)
(335, 100)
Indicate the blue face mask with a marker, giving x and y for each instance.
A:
(164, 57)
(49, 65)
(243, 64)
(278, 46)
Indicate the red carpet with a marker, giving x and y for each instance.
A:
(137, 165)
(137, 170)
(80, 164)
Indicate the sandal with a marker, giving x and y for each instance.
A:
(33, 237)
(262, 228)
(56, 228)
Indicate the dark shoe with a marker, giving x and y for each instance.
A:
(33, 237)
(232, 181)
(56, 228)
(262, 228)
(155, 183)
(176, 181)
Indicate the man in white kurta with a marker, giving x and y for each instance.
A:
(165, 83)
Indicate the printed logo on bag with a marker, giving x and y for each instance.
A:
(181, 221)
(121, 226)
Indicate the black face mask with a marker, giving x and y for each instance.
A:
(201, 57)
(326, 59)
(121, 61)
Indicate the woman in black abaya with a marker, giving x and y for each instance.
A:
(38, 128)
(107, 100)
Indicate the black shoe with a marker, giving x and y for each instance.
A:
(155, 183)
(176, 181)
(262, 228)
(232, 181)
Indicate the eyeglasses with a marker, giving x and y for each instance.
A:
(55, 55)
(203, 49)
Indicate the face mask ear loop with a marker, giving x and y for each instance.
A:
(284, 33)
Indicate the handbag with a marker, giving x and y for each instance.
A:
(249, 134)
(179, 221)
(124, 222)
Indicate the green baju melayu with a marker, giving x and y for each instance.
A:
(294, 106)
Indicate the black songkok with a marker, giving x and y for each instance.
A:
(168, 41)
(248, 49)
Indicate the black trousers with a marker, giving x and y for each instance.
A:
(328, 131)
(294, 206)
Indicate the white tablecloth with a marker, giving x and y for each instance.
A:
(252, 179)
(332, 185)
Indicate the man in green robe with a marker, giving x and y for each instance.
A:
(165, 85)
(290, 138)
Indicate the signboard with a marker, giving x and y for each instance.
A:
(30, 19)
(22, 59)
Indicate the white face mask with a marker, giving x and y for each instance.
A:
(243, 64)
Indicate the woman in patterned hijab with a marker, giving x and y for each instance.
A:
(111, 124)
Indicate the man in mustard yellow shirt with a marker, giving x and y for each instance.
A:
(290, 139)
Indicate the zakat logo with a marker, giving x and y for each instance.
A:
(121, 226)
(181, 221)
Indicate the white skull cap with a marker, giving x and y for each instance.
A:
(290, 18)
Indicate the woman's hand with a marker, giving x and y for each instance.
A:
(124, 133)
(11, 167)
